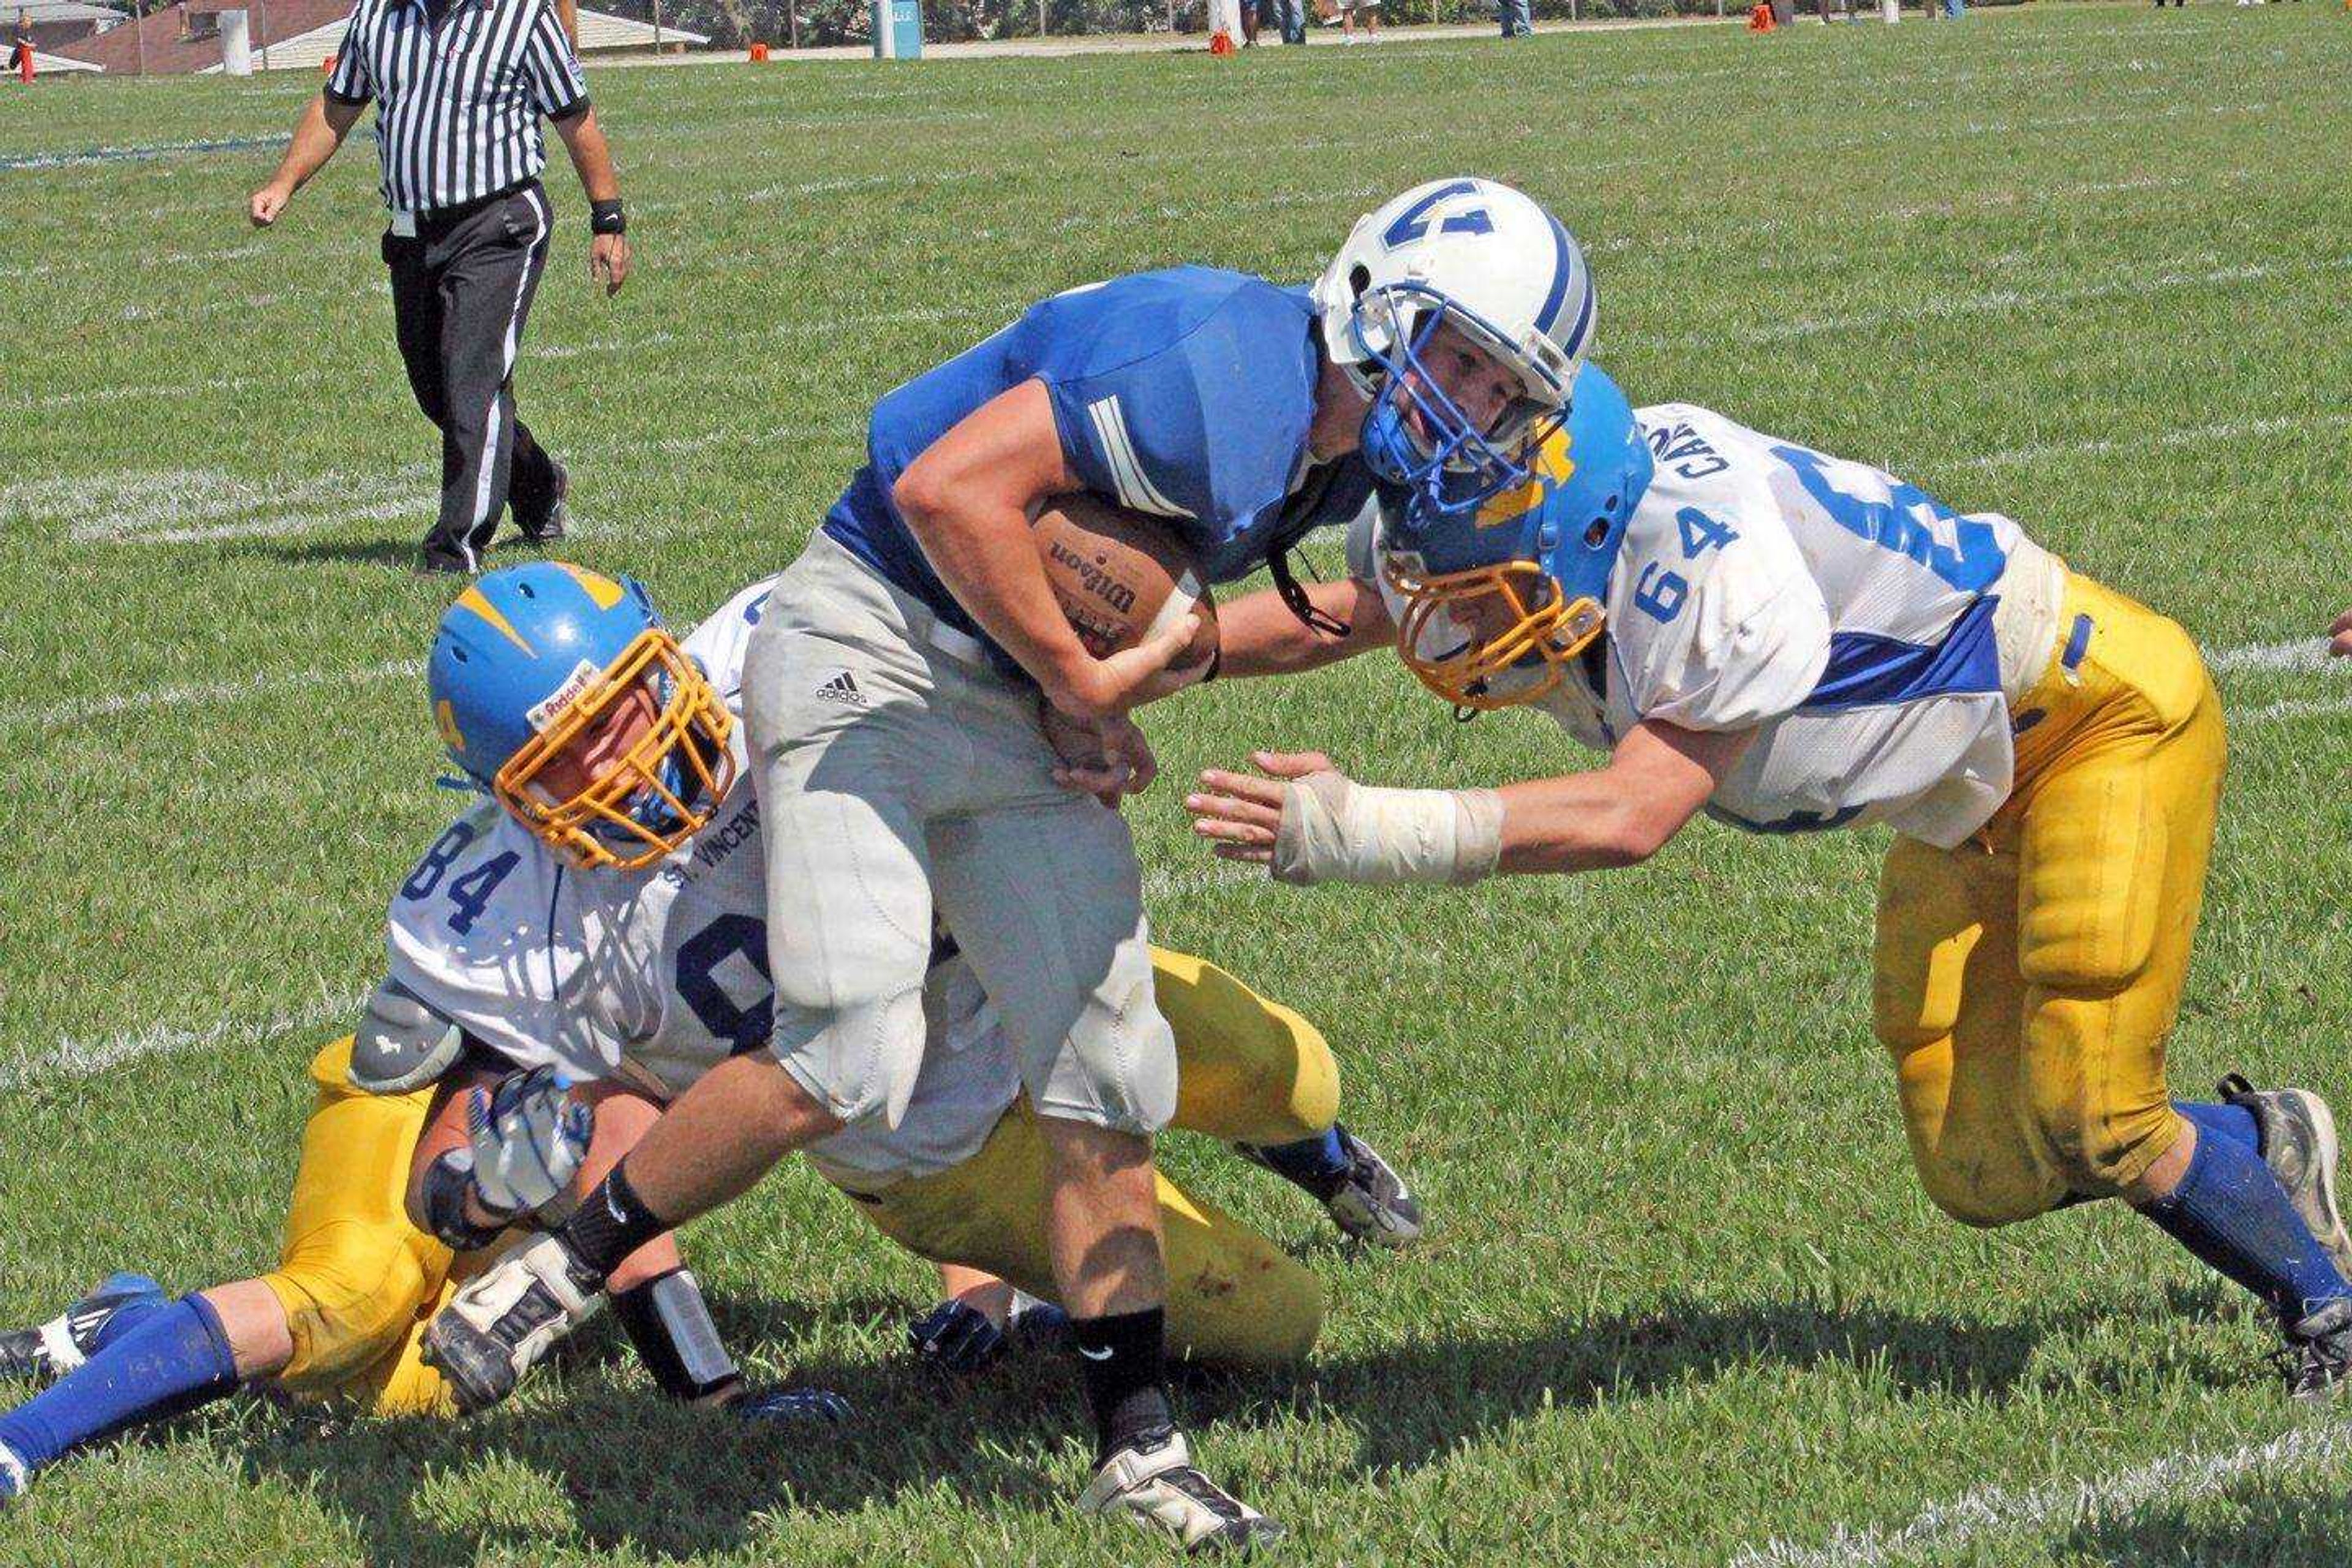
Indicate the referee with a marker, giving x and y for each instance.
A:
(460, 88)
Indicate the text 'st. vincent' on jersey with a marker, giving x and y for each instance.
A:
(654, 976)
(1869, 634)
(1186, 393)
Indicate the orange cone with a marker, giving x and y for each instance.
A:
(1221, 42)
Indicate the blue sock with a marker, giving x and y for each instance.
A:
(1316, 1163)
(2231, 1212)
(2231, 1121)
(175, 1361)
(132, 1310)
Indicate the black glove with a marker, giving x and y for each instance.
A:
(954, 1337)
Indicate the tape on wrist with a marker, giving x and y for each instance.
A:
(1335, 830)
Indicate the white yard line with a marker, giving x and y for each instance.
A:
(2304, 653)
(1992, 1510)
(80, 709)
(72, 1057)
(2186, 435)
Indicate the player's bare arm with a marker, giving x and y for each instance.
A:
(1259, 634)
(325, 122)
(1311, 823)
(969, 500)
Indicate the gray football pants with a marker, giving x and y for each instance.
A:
(900, 774)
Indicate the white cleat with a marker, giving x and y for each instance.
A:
(1152, 1483)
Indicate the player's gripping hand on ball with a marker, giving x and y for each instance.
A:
(2340, 636)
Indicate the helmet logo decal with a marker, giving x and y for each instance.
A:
(474, 599)
(445, 719)
(1550, 466)
(583, 675)
(1414, 222)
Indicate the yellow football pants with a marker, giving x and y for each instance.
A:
(1249, 1069)
(2026, 982)
(357, 1280)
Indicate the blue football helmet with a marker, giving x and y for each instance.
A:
(1521, 586)
(1495, 267)
(558, 692)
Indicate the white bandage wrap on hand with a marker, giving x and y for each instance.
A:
(1337, 830)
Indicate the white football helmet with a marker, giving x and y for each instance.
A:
(1493, 262)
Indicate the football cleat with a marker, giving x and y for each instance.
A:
(508, 1320)
(1151, 1482)
(2316, 1360)
(2298, 1144)
(14, 1479)
(51, 1350)
(1368, 1201)
(1372, 1203)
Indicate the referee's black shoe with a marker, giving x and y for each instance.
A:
(546, 526)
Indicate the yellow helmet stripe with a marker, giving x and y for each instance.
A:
(474, 599)
(599, 587)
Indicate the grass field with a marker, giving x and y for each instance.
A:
(1684, 1303)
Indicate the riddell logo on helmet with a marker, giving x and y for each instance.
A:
(583, 676)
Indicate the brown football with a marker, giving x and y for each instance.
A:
(1120, 574)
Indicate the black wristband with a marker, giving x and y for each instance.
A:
(446, 1182)
(606, 217)
(610, 1223)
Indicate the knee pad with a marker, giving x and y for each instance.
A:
(351, 1292)
(1983, 1200)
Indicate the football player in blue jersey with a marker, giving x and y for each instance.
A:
(1790, 642)
(902, 683)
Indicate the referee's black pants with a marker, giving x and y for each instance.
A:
(461, 289)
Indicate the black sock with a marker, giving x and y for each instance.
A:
(610, 1223)
(1120, 1357)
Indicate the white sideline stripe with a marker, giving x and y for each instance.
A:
(2174, 1478)
(82, 710)
(72, 1057)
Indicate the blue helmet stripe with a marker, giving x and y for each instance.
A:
(1563, 267)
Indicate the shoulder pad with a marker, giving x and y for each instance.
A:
(401, 1043)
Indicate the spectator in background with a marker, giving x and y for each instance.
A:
(1290, 15)
(1360, 13)
(1518, 20)
(20, 53)
(1249, 9)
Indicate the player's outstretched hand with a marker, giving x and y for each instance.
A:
(1241, 815)
(264, 206)
(1106, 758)
(2340, 636)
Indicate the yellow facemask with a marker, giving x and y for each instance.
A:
(1507, 615)
(676, 773)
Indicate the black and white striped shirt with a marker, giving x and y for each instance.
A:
(458, 100)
